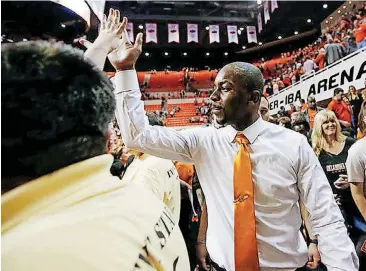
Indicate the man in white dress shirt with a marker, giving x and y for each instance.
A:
(284, 168)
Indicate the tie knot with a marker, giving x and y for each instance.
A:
(241, 139)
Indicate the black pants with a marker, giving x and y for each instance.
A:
(322, 267)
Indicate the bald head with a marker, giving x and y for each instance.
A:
(249, 75)
(237, 93)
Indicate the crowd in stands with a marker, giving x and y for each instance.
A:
(338, 41)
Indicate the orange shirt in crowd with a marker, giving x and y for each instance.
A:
(341, 110)
(303, 107)
(360, 33)
(320, 61)
(311, 115)
(185, 172)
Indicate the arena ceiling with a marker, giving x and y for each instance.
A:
(44, 18)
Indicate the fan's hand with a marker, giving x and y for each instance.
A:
(126, 54)
(110, 32)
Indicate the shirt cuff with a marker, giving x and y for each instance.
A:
(126, 81)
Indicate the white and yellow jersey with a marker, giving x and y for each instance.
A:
(159, 176)
(80, 218)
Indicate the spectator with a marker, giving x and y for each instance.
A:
(263, 109)
(351, 44)
(299, 124)
(334, 52)
(275, 87)
(332, 147)
(309, 65)
(320, 59)
(355, 100)
(282, 112)
(360, 34)
(311, 111)
(285, 122)
(340, 108)
(356, 166)
(292, 110)
(303, 105)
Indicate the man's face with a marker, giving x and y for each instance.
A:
(301, 129)
(295, 116)
(229, 99)
(263, 109)
(312, 104)
(339, 96)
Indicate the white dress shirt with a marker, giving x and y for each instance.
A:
(285, 170)
(160, 177)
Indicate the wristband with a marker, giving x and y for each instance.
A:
(314, 241)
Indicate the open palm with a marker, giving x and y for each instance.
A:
(126, 54)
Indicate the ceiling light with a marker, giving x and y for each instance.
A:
(243, 47)
(207, 54)
(326, 21)
(141, 26)
(166, 53)
(147, 54)
(296, 32)
(279, 37)
(331, 17)
(241, 28)
(226, 53)
(184, 53)
(207, 28)
(309, 20)
(344, 7)
(260, 43)
(25, 40)
(325, 6)
(63, 26)
(339, 11)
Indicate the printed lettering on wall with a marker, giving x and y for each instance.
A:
(351, 71)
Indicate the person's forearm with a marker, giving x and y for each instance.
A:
(360, 201)
(201, 238)
(136, 132)
(97, 56)
(305, 217)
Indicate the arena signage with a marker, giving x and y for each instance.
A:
(350, 70)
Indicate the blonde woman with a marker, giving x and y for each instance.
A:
(331, 147)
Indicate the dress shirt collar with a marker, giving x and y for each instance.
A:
(251, 132)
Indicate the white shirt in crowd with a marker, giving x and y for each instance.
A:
(356, 163)
(309, 66)
(159, 176)
(285, 170)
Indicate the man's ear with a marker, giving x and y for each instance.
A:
(255, 97)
